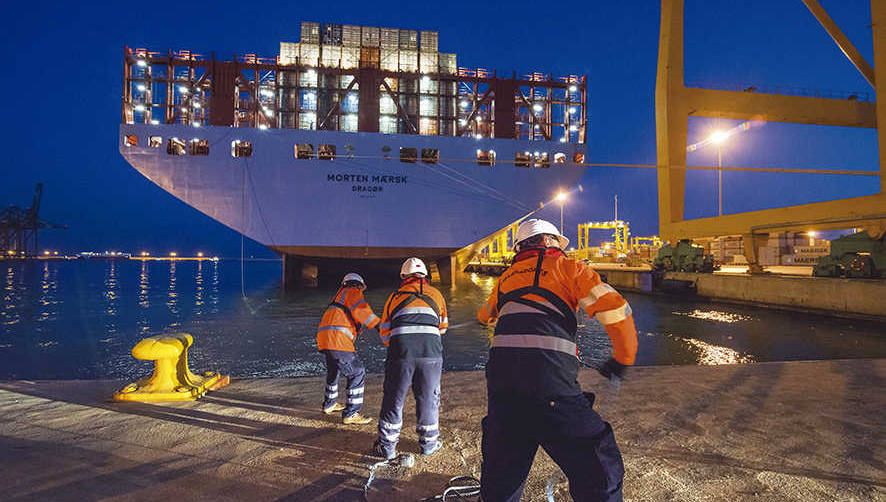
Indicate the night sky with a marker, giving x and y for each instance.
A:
(62, 87)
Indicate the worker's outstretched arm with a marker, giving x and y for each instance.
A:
(488, 313)
(363, 313)
(444, 316)
(602, 302)
(384, 328)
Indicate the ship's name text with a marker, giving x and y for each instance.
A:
(365, 178)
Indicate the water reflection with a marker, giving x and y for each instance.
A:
(711, 355)
(715, 316)
(276, 335)
(213, 296)
(172, 296)
(10, 314)
(111, 296)
(198, 290)
(48, 289)
(144, 299)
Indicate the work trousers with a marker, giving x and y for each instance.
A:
(339, 364)
(568, 429)
(423, 374)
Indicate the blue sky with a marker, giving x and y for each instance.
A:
(63, 80)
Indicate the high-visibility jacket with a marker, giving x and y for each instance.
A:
(534, 348)
(344, 319)
(413, 320)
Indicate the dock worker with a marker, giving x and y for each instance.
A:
(345, 318)
(531, 376)
(413, 320)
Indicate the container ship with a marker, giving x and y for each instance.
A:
(354, 143)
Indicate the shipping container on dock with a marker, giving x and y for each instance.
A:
(309, 54)
(289, 53)
(330, 34)
(330, 56)
(408, 61)
(350, 57)
(310, 33)
(369, 36)
(369, 57)
(390, 38)
(351, 36)
(447, 63)
(390, 59)
(428, 62)
(408, 40)
(429, 41)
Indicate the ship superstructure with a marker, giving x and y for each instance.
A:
(355, 142)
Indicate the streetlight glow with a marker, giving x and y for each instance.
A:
(561, 196)
(718, 137)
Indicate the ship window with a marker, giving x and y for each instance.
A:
(175, 146)
(559, 158)
(304, 151)
(578, 158)
(155, 141)
(326, 152)
(241, 148)
(408, 154)
(542, 159)
(131, 140)
(485, 157)
(522, 159)
(430, 155)
(198, 147)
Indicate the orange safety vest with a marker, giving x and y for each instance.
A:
(534, 349)
(344, 319)
(413, 320)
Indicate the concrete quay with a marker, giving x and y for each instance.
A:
(861, 298)
(795, 431)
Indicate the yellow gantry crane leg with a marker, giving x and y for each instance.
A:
(675, 103)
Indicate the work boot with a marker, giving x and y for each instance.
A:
(386, 453)
(332, 409)
(433, 448)
(356, 419)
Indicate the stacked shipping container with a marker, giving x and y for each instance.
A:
(429, 105)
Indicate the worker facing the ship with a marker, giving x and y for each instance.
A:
(345, 318)
(413, 320)
(531, 376)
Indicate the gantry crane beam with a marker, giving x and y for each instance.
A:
(675, 103)
(841, 40)
(748, 105)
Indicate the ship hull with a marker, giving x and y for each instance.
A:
(364, 204)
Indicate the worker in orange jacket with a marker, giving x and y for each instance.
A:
(413, 321)
(531, 375)
(344, 319)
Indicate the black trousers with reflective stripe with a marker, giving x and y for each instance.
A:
(568, 429)
(339, 364)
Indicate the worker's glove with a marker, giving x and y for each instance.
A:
(613, 370)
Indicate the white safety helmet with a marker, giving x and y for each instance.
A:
(353, 277)
(533, 227)
(413, 266)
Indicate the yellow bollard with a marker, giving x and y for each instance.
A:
(172, 379)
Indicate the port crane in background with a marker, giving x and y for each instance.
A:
(18, 227)
(675, 103)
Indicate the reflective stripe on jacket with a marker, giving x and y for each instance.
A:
(534, 346)
(343, 321)
(413, 319)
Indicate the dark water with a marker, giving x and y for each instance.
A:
(74, 319)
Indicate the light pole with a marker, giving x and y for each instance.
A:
(561, 198)
(718, 138)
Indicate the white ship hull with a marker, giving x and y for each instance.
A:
(359, 205)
